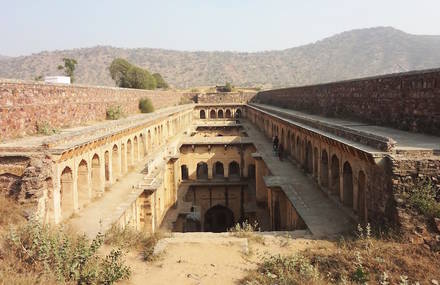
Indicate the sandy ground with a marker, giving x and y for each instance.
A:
(205, 262)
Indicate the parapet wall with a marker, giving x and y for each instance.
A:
(219, 98)
(24, 104)
(407, 101)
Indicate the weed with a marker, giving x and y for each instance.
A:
(145, 105)
(424, 199)
(247, 230)
(114, 113)
(45, 128)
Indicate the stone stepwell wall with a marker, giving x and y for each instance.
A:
(407, 101)
(24, 104)
(219, 98)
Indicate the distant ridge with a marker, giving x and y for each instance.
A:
(351, 54)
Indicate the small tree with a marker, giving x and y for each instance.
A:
(145, 105)
(139, 78)
(160, 82)
(69, 67)
(118, 71)
(228, 87)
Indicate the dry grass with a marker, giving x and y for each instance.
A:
(130, 239)
(353, 261)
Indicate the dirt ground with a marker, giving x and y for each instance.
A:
(201, 261)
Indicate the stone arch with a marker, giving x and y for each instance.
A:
(83, 184)
(282, 139)
(362, 197)
(288, 146)
(220, 114)
(347, 191)
(324, 168)
(202, 114)
(218, 219)
(107, 166)
(49, 211)
(238, 113)
(228, 113)
(218, 170)
(149, 143)
(116, 166)
(123, 159)
(184, 172)
(142, 146)
(309, 158)
(129, 153)
(212, 114)
(135, 149)
(292, 145)
(66, 193)
(202, 170)
(96, 175)
(234, 169)
(334, 186)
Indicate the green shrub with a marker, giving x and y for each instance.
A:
(145, 105)
(68, 258)
(45, 128)
(114, 113)
(423, 198)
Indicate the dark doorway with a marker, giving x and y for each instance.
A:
(202, 170)
(218, 219)
(202, 114)
(219, 170)
(184, 170)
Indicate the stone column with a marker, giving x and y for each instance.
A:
(260, 186)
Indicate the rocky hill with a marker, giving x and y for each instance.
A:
(351, 54)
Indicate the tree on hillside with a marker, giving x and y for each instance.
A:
(69, 68)
(228, 87)
(128, 75)
(118, 71)
(160, 82)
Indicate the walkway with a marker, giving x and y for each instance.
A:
(322, 216)
(100, 215)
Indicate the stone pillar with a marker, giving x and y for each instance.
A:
(260, 186)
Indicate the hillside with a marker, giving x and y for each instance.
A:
(351, 54)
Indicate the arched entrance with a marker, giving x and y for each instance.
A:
(83, 184)
(238, 113)
(347, 185)
(234, 170)
(107, 166)
(324, 169)
(218, 219)
(184, 171)
(66, 193)
(212, 114)
(116, 166)
(309, 158)
(228, 113)
(334, 186)
(202, 114)
(218, 170)
(202, 170)
(220, 114)
(96, 176)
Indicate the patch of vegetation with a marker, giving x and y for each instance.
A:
(127, 75)
(32, 251)
(247, 230)
(114, 113)
(359, 260)
(160, 82)
(145, 105)
(128, 238)
(69, 68)
(45, 128)
(423, 198)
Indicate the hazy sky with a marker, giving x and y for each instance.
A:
(240, 25)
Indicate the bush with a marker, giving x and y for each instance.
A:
(65, 257)
(114, 113)
(45, 128)
(160, 82)
(128, 75)
(145, 105)
(423, 198)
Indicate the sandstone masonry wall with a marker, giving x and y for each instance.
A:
(408, 101)
(225, 97)
(24, 104)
